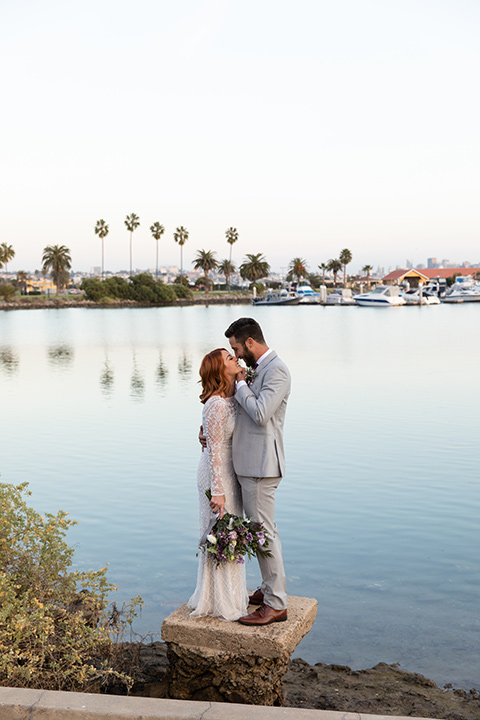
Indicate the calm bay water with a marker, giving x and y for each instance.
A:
(379, 511)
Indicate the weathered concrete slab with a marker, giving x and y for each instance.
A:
(271, 641)
(217, 661)
(16, 704)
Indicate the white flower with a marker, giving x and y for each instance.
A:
(230, 524)
(212, 539)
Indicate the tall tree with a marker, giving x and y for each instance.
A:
(297, 268)
(7, 253)
(157, 231)
(205, 261)
(367, 269)
(22, 279)
(334, 266)
(345, 257)
(57, 260)
(181, 236)
(254, 267)
(232, 236)
(227, 268)
(101, 229)
(323, 267)
(132, 222)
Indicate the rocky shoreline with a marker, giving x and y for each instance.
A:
(60, 303)
(381, 690)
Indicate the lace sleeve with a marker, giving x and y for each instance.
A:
(214, 417)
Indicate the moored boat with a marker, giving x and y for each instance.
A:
(413, 297)
(340, 296)
(381, 296)
(307, 295)
(277, 297)
(464, 289)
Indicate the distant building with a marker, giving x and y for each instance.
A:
(409, 264)
(425, 275)
(432, 263)
(420, 266)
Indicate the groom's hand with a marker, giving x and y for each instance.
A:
(242, 374)
(217, 503)
(202, 439)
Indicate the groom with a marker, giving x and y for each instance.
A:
(258, 456)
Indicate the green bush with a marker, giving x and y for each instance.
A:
(7, 290)
(118, 287)
(181, 291)
(94, 289)
(57, 629)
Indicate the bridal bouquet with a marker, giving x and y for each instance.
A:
(233, 537)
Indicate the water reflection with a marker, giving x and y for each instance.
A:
(9, 360)
(161, 374)
(107, 378)
(185, 366)
(60, 355)
(137, 383)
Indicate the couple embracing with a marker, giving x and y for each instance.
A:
(242, 463)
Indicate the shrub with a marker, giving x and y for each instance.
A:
(181, 291)
(118, 287)
(7, 290)
(94, 289)
(57, 630)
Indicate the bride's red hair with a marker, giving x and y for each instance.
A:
(212, 376)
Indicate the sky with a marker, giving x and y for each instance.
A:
(310, 126)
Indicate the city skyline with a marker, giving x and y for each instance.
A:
(310, 128)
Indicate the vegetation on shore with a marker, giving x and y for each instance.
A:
(58, 630)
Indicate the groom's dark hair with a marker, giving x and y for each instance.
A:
(244, 328)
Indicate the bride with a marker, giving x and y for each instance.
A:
(221, 591)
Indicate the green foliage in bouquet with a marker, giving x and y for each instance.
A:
(57, 629)
(232, 538)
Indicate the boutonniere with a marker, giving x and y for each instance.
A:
(251, 374)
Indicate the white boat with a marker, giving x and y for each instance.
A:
(412, 297)
(464, 289)
(277, 297)
(307, 295)
(340, 296)
(381, 296)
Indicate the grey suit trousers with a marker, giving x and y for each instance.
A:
(258, 496)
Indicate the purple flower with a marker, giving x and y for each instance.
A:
(240, 560)
(261, 541)
(249, 537)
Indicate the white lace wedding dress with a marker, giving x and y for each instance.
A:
(221, 591)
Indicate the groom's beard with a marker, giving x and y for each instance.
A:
(248, 358)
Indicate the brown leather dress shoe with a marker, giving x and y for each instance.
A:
(256, 598)
(264, 616)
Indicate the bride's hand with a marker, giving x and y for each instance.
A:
(217, 503)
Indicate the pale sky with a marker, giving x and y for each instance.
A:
(310, 126)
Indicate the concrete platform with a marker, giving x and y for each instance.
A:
(18, 704)
(271, 641)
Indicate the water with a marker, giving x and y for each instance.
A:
(379, 511)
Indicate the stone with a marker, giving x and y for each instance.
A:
(218, 661)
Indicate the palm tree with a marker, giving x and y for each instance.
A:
(227, 268)
(157, 231)
(334, 266)
(132, 222)
(7, 253)
(254, 267)
(22, 278)
(57, 260)
(345, 257)
(101, 229)
(367, 269)
(181, 236)
(297, 268)
(205, 261)
(323, 267)
(232, 236)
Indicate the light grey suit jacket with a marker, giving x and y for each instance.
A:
(257, 444)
